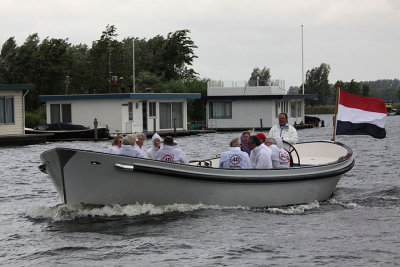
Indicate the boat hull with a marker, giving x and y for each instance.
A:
(86, 177)
(58, 135)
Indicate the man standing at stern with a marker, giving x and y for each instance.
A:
(284, 130)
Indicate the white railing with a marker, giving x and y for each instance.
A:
(231, 83)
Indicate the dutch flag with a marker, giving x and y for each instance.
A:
(360, 115)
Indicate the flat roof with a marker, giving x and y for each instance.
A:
(257, 97)
(4, 87)
(138, 96)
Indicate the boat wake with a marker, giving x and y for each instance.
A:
(71, 212)
(293, 210)
(65, 212)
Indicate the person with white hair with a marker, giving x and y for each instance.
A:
(140, 137)
(155, 146)
(128, 147)
(235, 158)
(280, 157)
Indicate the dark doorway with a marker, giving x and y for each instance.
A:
(144, 112)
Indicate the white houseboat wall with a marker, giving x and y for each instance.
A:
(123, 113)
(233, 105)
(12, 108)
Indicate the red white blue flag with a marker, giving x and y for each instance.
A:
(360, 115)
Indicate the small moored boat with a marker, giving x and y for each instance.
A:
(87, 177)
(68, 131)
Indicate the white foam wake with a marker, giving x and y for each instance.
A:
(70, 212)
(344, 205)
(294, 210)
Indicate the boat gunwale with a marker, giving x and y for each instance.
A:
(229, 175)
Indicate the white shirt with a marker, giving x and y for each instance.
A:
(288, 133)
(152, 152)
(143, 153)
(235, 159)
(171, 154)
(131, 151)
(280, 157)
(113, 150)
(260, 158)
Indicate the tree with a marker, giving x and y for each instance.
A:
(259, 76)
(353, 87)
(293, 90)
(317, 83)
(177, 55)
(7, 61)
(365, 89)
(398, 94)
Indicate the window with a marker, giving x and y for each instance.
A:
(55, 113)
(299, 108)
(177, 114)
(7, 110)
(66, 113)
(165, 116)
(293, 109)
(277, 108)
(60, 113)
(285, 107)
(152, 109)
(170, 114)
(220, 110)
(130, 111)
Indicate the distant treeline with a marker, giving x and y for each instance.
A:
(162, 64)
(317, 83)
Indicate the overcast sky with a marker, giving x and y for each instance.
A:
(359, 39)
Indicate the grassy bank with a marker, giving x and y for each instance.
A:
(329, 109)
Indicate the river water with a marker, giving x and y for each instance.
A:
(358, 226)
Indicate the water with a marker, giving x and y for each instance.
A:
(359, 226)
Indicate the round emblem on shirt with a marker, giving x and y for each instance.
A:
(283, 156)
(167, 158)
(235, 159)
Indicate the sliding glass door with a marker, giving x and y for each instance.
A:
(171, 112)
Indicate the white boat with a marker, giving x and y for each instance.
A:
(87, 177)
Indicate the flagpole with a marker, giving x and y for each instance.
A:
(336, 110)
(302, 59)
(133, 65)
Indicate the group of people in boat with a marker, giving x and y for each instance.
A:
(132, 145)
(259, 151)
(247, 152)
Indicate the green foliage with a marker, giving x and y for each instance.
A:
(398, 94)
(328, 109)
(37, 117)
(365, 89)
(353, 87)
(317, 83)
(384, 89)
(263, 76)
(57, 67)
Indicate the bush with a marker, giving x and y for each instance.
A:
(35, 118)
